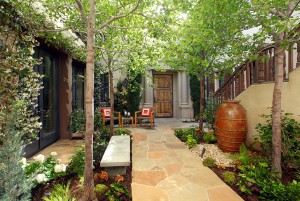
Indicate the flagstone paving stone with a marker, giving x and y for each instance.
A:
(164, 169)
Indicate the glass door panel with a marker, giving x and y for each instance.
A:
(47, 112)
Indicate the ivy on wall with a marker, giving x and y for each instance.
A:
(19, 89)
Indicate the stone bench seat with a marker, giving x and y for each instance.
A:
(117, 155)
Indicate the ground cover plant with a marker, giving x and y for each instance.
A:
(187, 135)
(290, 138)
(55, 181)
(252, 177)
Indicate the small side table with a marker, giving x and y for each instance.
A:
(130, 119)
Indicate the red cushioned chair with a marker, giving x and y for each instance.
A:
(105, 112)
(146, 113)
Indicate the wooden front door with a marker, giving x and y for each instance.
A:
(163, 95)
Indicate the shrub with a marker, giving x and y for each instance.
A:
(134, 90)
(261, 180)
(291, 191)
(244, 155)
(180, 134)
(258, 179)
(99, 148)
(290, 136)
(41, 171)
(100, 190)
(77, 121)
(211, 107)
(117, 192)
(13, 182)
(76, 165)
(229, 177)
(122, 131)
(209, 162)
(103, 135)
(209, 138)
(59, 193)
(183, 133)
(191, 142)
(97, 119)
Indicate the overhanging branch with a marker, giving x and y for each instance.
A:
(82, 11)
(119, 15)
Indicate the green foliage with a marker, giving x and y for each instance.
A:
(128, 94)
(122, 131)
(100, 190)
(117, 192)
(298, 175)
(134, 91)
(97, 119)
(191, 141)
(18, 81)
(104, 134)
(50, 168)
(211, 106)
(195, 93)
(290, 139)
(244, 155)
(209, 162)
(77, 121)
(60, 193)
(229, 177)
(291, 191)
(76, 165)
(209, 138)
(13, 182)
(99, 147)
(121, 96)
(261, 180)
(183, 133)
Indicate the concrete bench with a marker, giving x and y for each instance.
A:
(117, 155)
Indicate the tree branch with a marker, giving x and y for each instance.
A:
(119, 15)
(118, 27)
(277, 12)
(82, 11)
(291, 8)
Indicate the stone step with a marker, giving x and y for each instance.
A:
(117, 155)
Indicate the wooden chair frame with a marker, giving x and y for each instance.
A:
(117, 116)
(138, 118)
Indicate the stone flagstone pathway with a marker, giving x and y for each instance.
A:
(164, 169)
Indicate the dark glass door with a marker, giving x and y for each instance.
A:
(47, 103)
(48, 100)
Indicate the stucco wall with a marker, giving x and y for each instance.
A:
(257, 98)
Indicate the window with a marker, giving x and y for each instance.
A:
(101, 92)
(104, 88)
(77, 86)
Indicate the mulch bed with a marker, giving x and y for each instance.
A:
(76, 187)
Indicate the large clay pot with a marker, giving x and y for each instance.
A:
(230, 126)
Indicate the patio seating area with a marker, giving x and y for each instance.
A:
(163, 168)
